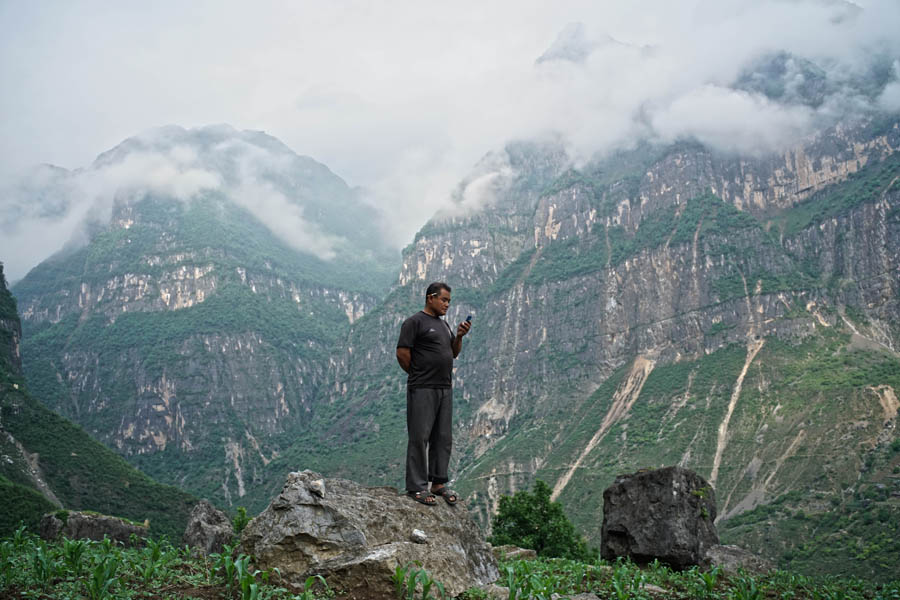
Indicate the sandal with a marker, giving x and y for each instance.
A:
(426, 498)
(450, 497)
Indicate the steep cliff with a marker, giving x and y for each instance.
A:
(47, 462)
(738, 316)
(191, 331)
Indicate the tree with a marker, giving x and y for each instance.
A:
(532, 520)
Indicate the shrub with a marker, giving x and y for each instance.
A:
(532, 520)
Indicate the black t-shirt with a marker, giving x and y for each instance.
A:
(429, 340)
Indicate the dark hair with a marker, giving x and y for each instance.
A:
(435, 288)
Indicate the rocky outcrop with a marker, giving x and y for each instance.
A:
(732, 560)
(208, 529)
(356, 537)
(665, 514)
(90, 526)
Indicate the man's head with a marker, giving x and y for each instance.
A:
(437, 299)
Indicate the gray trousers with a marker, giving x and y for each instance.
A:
(429, 422)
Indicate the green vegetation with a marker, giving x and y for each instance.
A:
(21, 504)
(82, 473)
(541, 579)
(412, 578)
(719, 229)
(100, 570)
(532, 520)
(866, 185)
(30, 567)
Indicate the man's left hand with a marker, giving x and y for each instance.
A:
(463, 328)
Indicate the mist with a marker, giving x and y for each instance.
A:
(404, 99)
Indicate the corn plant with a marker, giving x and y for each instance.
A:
(246, 578)
(311, 581)
(103, 576)
(407, 579)
(399, 578)
(7, 564)
(73, 555)
(227, 565)
(746, 588)
(512, 582)
(43, 565)
(707, 581)
(625, 584)
(21, 537)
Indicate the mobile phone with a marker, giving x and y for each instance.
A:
(469, 319)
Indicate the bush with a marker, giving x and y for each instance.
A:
(532, 520)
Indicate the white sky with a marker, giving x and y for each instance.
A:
(402, 97)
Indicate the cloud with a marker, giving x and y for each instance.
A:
(404, 98)
(46, 207)
(730, 120)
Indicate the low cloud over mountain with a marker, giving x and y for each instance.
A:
(402, 101)
(47, 207)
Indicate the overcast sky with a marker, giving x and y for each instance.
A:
(404, 97)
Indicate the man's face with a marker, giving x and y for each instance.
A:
(439, 303)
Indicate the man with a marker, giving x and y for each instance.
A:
(425, 350)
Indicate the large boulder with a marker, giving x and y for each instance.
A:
(88, 525)
(357, 536)
(208, 529)
(666, 514)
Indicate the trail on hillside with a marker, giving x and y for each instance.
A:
(623, 399)
(753, 349)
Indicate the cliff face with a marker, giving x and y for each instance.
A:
(665, 306)
(46, 462)
(185, 333)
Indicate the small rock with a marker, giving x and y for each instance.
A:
(732, 559)
(208, 529)
(418, 536)
(654, 589)
(514, 552)
(495, 592)
(317, 487)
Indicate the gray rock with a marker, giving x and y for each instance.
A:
(418, 536)
(514, 552)
(208, 529)
(91, 526)
(666, 514)
(494, 591)
(356, 537)
(317, 487)
(732, 558)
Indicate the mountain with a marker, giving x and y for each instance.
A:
(47, 462)
(666, 305)
(189, 325)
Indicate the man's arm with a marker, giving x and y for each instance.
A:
(404, 357)
(462, 330)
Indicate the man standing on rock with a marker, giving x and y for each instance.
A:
(425, 350)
